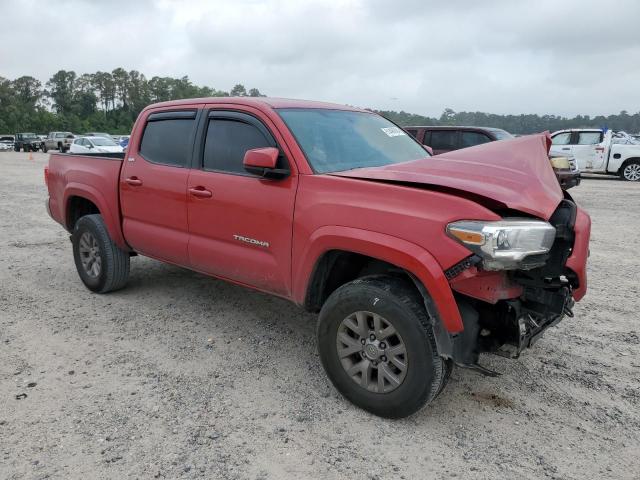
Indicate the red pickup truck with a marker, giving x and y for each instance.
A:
(414, 263)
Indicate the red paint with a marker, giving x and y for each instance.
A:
(261, 157)
(270, 234)
(578, 259)
(486, 286)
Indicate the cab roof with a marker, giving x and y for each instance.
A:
(269, 102)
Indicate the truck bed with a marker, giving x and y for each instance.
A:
(94, 177)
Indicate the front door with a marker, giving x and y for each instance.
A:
(240, 225)
(153, 185)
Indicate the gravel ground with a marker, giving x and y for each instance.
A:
(184, 376)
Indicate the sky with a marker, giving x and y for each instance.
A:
(547, 57)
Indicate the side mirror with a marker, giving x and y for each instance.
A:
(263, 162)
(428, 149)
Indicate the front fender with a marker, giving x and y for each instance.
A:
(406, 255)
(110, 216)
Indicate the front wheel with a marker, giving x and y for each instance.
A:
(102, 266)
(44, 148)
(377, 346)
(631, 171)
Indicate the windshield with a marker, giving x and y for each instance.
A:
(102, 142)
(28, 135)
(338, 140)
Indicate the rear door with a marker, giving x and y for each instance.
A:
(240, 224)
(153, 184)
(584, 149)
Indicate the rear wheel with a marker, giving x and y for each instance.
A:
(631, 171)
(102, 266)
(378, 348)
(44, 148)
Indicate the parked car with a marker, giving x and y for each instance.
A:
(98, 134)
(95, 145)
(7, 142)
(415, 263)
(124, 141)
(597, 151)
(26, 142)
(119, 139)
(442, 139)
(60, 141)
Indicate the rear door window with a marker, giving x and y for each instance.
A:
(168, 138)
(470, 139)
(589, 138)
(444, 140)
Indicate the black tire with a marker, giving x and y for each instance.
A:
(630, 170)
(396, 300)
(25, 148)
(16, 148)
(44, 148)
(61, 147)
(114, 269)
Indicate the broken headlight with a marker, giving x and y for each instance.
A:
(508, 244)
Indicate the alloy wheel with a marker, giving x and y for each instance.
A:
(372, 352)
(90, 255)
(632, 172)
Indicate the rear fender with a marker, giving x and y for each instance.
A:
(111, 218)
(415, 260)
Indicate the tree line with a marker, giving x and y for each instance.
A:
(111, 101)
(522, 124)
(101, 101)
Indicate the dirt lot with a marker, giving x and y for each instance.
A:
(182, 376)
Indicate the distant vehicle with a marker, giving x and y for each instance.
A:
(95, 145)
(447, 138)
(124, 141)
(58, 141)
(443, 139)
(7, 142)
(597, 151)
(26, 142)
(98, 134)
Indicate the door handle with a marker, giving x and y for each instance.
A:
(200, 192)
(133, 181)
(567, 148)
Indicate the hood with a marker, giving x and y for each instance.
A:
(514, 174)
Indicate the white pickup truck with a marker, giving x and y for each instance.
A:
(597, 151)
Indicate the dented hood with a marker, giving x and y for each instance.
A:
(512, 173)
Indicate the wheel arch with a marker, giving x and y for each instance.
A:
(80, 200)
(351, 250)
(627, 162)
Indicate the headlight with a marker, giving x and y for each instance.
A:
(508, 244)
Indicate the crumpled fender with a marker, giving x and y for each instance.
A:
(406, 255)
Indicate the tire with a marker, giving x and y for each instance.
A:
(25, 148)
(112, 271)
(44, 148)
(16, 148)
(631, 171)
(396, 303)
(61, 147)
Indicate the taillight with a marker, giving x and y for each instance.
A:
(46, 175)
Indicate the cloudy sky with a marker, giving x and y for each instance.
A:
(562, 57)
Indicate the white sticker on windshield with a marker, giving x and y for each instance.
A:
(393, 131)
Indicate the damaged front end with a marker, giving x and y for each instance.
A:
(506, 308)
